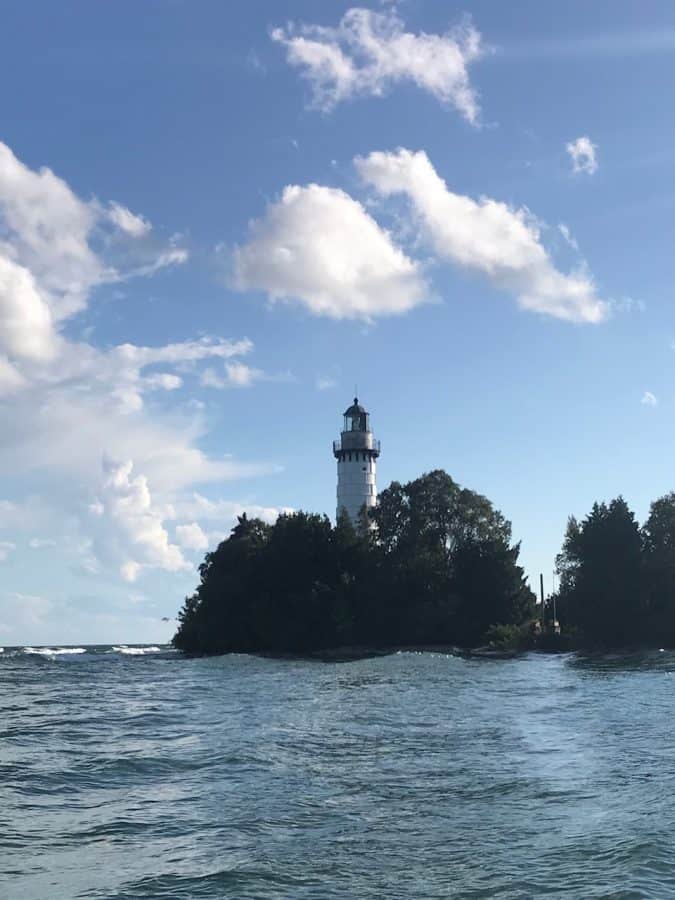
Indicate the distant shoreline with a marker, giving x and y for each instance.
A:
(357, 652)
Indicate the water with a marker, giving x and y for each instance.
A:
(145, 775)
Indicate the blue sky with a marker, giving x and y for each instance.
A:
(216, 219)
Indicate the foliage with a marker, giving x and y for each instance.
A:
(511, 637)
(617, 580)
(434, 564)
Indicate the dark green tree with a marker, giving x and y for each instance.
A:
(658, 541)
(447, 558)
(433, 563)
(600, 569)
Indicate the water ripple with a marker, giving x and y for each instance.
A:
(145, 775)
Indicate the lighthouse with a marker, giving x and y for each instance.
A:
(356, 452)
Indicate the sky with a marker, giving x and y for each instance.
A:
(218, 221)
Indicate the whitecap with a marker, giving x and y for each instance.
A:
(136, 651)
(55, 651)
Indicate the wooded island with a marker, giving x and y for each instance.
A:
(431, 564)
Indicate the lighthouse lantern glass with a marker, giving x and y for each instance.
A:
(356, 422)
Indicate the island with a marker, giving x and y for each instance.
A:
(432, 563)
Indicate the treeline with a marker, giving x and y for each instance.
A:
(617, 579)
(434, 565)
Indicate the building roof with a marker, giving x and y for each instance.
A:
(355, 409)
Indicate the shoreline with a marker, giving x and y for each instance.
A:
(354, 653)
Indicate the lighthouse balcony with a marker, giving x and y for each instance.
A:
(356, 441)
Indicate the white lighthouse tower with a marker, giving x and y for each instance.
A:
(356, 452)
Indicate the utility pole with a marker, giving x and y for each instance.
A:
(541, 592)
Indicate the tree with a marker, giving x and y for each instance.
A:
(658, 542)
(219, 618)
(434, 565)
(600, 571)
(447, 555)
(492, 588)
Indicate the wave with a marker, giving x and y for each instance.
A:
(55, 651)
(136, 651)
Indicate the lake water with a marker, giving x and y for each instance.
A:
(145, 775)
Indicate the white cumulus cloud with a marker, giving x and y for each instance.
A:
(71, 403)
(26, 325)
(45, 228)
(135, 525)
(68, 245)
(369, 51)
(191, 537)
(485, 236)
(319, 246)
(582, 153)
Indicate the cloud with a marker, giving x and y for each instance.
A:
(135, 524)
(369, 52)
(41, 543)
(648, 399)
(72, 404)
(174, 256)
(618, 43)
(68, 245)
(45, 228)
(320, 247)
(325, 383)
(23, 609)
(220, 515)
(191, 537)
(486, 236)
(6, 547)
(129, 222)
(26, 325)
(567, 236)
(629, 305)
(225, 512)
(582, 154)
(239, 375)
(164, 380)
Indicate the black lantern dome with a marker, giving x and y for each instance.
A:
(356, 417)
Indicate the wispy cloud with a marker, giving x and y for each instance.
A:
(6, 547)
(239, 375)
(582, 153)
(368, 52)
(325, 383)
(636, 42)
(568, 237)
(132, 224)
